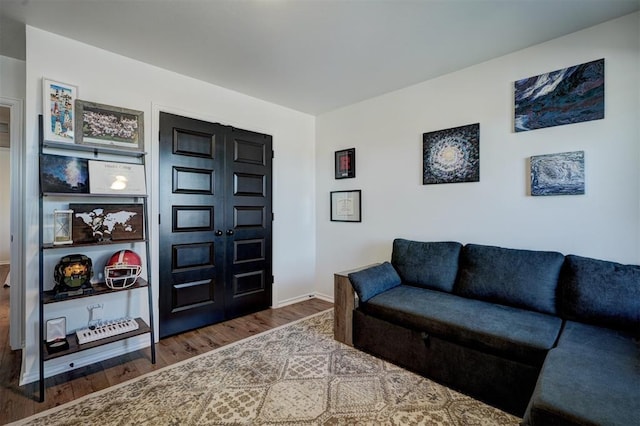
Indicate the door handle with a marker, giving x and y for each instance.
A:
(229, 232)
(218, 233)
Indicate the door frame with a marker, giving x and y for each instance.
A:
(16, 291)
(153, 176)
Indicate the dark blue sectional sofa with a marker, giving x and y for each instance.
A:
(548, 337)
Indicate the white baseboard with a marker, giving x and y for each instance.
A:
(5, 262)
(88, 357)
(325, 297)
(293, 300)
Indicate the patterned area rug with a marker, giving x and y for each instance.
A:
(295, 374)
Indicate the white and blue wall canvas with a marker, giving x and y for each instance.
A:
(451, 155)
(566, 96)
(558, 174)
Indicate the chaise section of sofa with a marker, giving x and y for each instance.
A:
(593, 375)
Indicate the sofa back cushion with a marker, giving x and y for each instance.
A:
(432, 265)
(600, 292)
(521, 278)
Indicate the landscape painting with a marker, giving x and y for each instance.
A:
(566, 96)
(451, 155)
(64, 175)
(558, 174)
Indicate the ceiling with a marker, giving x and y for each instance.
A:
(309, 55)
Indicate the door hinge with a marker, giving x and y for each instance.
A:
(159, 220)
(272, 279)
(273, 217)
(273, 154)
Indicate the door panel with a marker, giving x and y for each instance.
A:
(191, 255)
(248, 207)
(215, 223)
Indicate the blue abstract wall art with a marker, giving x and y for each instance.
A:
(451, 155)
(558, 174)
(566, 96)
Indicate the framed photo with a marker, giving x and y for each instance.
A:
(558, 174)
(345, 164)
(346, 206)
(106, 125)
(107, 222)
(63, 175)
(116, 178)
(58, 110)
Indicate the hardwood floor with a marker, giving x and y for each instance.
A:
(19, 402)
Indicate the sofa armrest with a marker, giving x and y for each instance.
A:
(344, 302)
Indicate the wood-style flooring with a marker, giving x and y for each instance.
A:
(19, 402)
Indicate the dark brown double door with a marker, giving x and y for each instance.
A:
(215, 223)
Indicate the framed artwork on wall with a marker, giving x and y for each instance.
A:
(558, 174)
(111, 126)
(565, 96)
(346, 206)
(451, 155)
(58, 110)
(345, 163)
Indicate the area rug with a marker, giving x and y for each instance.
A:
(294, 374)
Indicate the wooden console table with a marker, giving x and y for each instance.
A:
(344, 302)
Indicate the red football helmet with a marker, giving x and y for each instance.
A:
(123, 269)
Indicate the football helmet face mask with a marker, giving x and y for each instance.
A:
(123, 269)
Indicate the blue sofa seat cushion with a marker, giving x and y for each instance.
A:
(522, 278)
(600, 292)
(590, 368)
(431, 265)
(374, 280)
(512, 333)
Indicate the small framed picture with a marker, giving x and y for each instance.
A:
(58, 110)
(107, 177)
(345, 164)
(107, 222)
(63, 175)
(109, 126)
(346, 206)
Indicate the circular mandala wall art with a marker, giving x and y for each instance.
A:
(452, 155)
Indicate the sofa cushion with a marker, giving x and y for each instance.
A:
(513, 333)
(590, 378)
(600, 292)
(427, 264)
(521, 278)
(374, 280)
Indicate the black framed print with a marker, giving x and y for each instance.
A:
(346, 206)
(345, 164)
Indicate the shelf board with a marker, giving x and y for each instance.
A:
(51, 246)
(86, 194)
(49, 296)
(95, 149)
(74, 346)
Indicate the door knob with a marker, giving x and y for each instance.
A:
(229, 231)
(218, 233)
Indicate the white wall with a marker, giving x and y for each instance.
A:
(11, 87)
(111, 79)
(387, 134)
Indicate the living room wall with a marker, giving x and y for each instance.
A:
(107, 78)
(387, 134)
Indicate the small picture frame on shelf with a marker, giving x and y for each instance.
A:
(345, 163)
(108, 178)
(60, 174)
(58, 108)
(346, 206)
(102, 125)
(62, 223)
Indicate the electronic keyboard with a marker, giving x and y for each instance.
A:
(106, 329)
